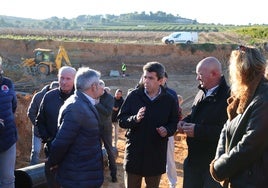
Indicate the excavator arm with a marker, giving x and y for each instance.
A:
(28, 62)
(44, 62)
(62, 54)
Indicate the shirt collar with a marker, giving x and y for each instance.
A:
(152, 98)
(210, 91)
(91, 100)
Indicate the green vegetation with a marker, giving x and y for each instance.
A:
(96, 22)
(159, 21)
(74, 29)
(254, 32)
(170, 27)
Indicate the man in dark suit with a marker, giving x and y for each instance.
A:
(75, 153)
(104, 105)
(203, 125)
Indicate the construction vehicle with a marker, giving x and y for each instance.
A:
(44, 61)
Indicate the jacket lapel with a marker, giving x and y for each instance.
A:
(94, 110)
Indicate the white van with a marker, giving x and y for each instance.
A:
(181, 37)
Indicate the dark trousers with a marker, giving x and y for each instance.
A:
(50, 175)
(134, 180)
(106, 136)
(197, 177)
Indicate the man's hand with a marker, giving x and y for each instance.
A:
(188, 129)
(162, 131)
(140, 114)
(53, 168)
(179, 127)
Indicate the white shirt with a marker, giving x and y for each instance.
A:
(92, 101)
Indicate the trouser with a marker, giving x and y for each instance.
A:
(36, 148)
(116, 127)
(106, 137)
(51, 177)
(197, 177)
(7, 167)
(171, 165)
(134, 180)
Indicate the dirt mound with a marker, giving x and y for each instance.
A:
(24, 131)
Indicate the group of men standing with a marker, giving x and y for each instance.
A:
(75, 119)
(44, 112)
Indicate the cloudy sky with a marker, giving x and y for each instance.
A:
(237, 12)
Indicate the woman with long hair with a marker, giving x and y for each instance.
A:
(242, 154)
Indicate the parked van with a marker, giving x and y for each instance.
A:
(181, 37)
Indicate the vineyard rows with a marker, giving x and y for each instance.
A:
(163, 27)
(140, 33)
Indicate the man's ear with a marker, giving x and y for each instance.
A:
(161, 79)
(213, 73)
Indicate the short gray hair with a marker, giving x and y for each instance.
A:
(67, 69)
(85, 77)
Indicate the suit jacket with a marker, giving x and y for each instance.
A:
(209, 114)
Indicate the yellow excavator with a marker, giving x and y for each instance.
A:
(44, 61)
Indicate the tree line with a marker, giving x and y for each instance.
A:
(87, 22)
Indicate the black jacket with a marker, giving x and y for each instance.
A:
(47, 117)
(146, 150)
(209, 114)
(117, 104)
(242, 152)
(104, 108)
(34, 107)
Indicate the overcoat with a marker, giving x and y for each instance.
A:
(146, 150)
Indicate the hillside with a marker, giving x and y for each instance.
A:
(95, 22)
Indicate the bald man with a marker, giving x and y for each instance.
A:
(203, 125)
